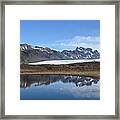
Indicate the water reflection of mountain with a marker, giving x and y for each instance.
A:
(38, 80)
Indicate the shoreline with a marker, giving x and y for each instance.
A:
(82, 69)
(94, 75)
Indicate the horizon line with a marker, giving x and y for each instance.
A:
(59, 50)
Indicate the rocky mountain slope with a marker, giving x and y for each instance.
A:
(29, 54)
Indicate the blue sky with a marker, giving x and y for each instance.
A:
(61, 34)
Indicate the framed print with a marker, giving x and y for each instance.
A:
(60, 59)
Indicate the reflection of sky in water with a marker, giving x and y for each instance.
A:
(59, 90)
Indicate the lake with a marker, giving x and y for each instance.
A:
(59, 87)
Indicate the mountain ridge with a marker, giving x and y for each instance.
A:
(29, 53)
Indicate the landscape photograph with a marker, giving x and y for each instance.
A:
(59, 59)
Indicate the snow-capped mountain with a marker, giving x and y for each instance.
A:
(82, 53)
(25, 46)
(30, 54)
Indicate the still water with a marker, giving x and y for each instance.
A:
(59, 87)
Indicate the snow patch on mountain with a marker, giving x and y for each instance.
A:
(59, 62)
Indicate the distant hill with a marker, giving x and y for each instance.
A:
(30, 54)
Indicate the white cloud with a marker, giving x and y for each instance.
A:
(81, 41)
